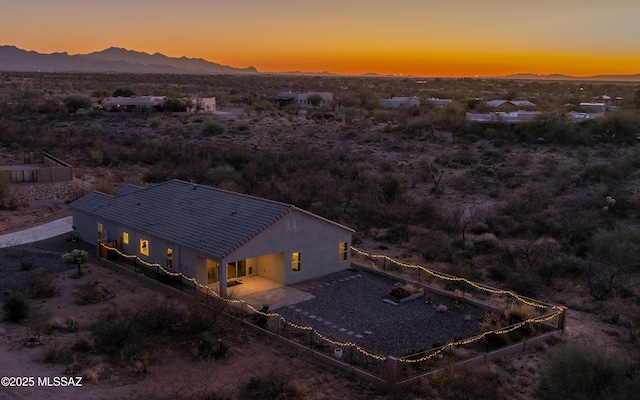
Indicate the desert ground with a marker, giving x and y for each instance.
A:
(523, 208)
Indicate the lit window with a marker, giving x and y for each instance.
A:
(343, 251)
(295, 262)
(144, 247)
(169, 258)
(125, 237)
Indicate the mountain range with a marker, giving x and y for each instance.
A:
(111, 60)
(119, 60)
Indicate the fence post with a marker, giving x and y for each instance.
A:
(392, 370)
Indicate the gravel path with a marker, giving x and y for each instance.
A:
(349, 306)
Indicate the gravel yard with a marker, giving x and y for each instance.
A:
(349, 306)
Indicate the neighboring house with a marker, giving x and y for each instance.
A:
(593, 107)
(516, 117)
(195, 229)
(575, 116)
(396, 102)
(302, 99)
(207, 104)
(510, 105)
(439, 103)
(130, 103)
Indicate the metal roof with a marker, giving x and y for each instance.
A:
(212, 221)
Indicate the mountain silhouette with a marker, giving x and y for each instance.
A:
(113, 59)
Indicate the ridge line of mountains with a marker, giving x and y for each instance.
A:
(119, 60)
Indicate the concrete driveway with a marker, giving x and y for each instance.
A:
(37, 233)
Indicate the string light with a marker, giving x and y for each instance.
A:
(557, 309)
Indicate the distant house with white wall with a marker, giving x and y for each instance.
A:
(213, 235)
(128, 103)
(396, 102)
(205, 104)
(593, 107)
(302, 99)
(439, 103)
(515, 117)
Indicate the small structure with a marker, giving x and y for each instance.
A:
(439, 103)
(50, 169)
(213, 235)
(396, 102)
(302, 99)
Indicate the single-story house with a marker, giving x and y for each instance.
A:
(213, 235)
(516, 117)
(120, 103)
(396, 102)
(510, 105)
(302, 99)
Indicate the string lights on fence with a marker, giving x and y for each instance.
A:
(557, 310)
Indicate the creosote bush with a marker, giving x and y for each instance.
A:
(16, 308)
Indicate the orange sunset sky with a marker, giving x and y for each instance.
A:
(409, 37)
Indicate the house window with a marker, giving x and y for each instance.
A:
(295, 262)
(343, 251)
(169, 258)
(125, 237)
(144, 247)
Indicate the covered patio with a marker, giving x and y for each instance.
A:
(259, 291)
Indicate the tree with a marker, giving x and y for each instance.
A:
(76, 256)
(315, 100)
(74, 103)
(124, 92)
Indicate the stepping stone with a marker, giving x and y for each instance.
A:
(291, 307)
(342, 330)
(327, 323)
(312, 316)
(320, 319)
(305, 313)
(327, 284)
(334, 326)
(359, 336)
(298, 310)
(340, 280)
(359, 275)
(368, 332)
(350, 333)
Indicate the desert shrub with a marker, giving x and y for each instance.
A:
(498, 271)
(492, 322)
(620, 247)
(16, 307)
(40, 285)
(161, 315)
(260, 319)
(81, 346)
(466, 383)
(209, 346)
(275, 386)
(435, 247)
(57, 354)
(515, 316)
(213, 128)
(113, 328)
(91, 293)
(580, 372)
(202, 318)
